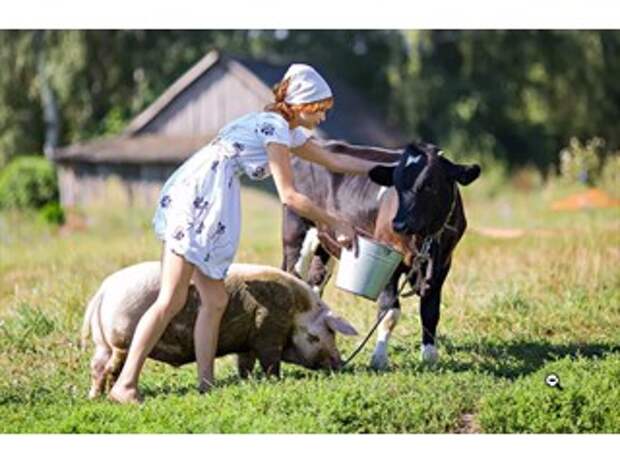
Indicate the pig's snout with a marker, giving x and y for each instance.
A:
(334, 362)
(337, 363)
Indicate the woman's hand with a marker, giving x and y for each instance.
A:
(346, 236)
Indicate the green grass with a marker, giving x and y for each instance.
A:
(513, 311)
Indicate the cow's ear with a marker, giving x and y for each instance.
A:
(382, 175)
(463, 174)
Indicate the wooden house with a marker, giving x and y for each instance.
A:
(187, 115)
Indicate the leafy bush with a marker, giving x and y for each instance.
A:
(28, 182)
(590, 163)
(53, 213)
(610, 174)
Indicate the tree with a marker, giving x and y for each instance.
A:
(519, 95)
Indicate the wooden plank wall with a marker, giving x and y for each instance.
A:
(206, 106)
(125, 184)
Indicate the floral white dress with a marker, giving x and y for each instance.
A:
(199, 213)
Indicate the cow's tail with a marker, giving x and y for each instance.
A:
(91, 308)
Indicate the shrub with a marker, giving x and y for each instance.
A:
(28, 182)
(590, 163)
(53, 213)
(610, 174)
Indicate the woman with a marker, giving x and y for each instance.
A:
(198, 217)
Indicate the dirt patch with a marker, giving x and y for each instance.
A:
(73, 222)
(591, 198)
(513, 233)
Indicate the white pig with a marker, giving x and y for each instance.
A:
(271, 316)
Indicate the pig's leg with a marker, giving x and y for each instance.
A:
(114, 367)
(245, 364)
(97, 370)
(270, 362)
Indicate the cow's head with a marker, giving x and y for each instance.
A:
(425, 182)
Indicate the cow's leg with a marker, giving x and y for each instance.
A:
(429, 313)
(245, 364)
(97, 370)
(321, 269)
(294, 229)
(388, 302)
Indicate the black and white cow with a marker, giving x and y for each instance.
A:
(413, 205)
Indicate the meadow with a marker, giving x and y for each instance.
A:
(514, 310)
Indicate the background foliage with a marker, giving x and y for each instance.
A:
(516, 96)
(514, 308)
(28, 182)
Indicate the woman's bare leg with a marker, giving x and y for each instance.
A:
(214, 300)
(175, 277)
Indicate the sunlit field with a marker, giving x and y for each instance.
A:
(515, 309)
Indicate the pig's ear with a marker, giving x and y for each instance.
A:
(340, 325)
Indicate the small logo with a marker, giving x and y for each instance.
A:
(553, 381)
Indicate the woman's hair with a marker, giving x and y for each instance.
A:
(287, 110)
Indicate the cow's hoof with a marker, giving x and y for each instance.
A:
(379, 362)
(429, 353)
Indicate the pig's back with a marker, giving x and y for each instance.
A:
(127, 294)
(176, 345)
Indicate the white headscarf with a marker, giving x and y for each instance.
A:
(306, 85)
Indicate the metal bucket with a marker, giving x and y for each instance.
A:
(368, 274)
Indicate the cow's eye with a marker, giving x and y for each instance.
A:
(313, 338)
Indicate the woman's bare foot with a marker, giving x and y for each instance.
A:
(125, 396)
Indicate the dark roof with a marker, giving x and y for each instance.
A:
(352, 119)
(152, 148)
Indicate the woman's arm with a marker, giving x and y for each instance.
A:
(280, 167)
(335, 162)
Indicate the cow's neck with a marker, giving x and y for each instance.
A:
(383, 231)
